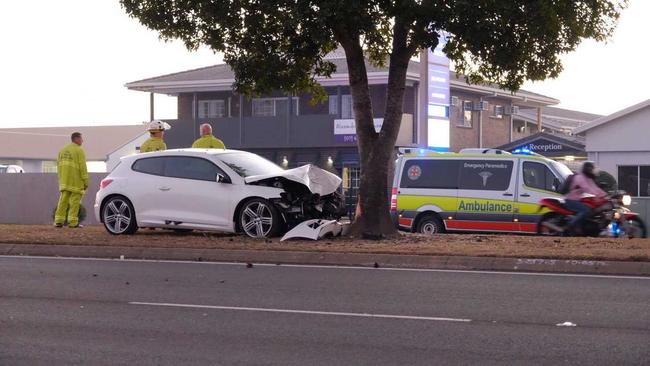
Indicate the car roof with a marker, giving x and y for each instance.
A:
(185, 152)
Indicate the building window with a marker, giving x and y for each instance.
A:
(347, 111)
(634, 179)
(48, 166)
(212, 108)
(334, 104)
(273, 107)
(466, 116)
(498, 111)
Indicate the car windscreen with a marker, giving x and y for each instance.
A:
(247, 164)
(562, 169)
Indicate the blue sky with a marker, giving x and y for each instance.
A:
(65, 63)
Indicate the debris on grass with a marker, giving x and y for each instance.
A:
(513, 246)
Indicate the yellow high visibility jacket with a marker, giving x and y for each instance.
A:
(208, 142)
(71, 169)
(153, 144)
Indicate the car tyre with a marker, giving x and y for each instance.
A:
(118, 216)
(259, 218)
(430, 225)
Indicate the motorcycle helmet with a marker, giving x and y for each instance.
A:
(589, 169)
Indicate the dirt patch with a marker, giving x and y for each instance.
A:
(446, 244)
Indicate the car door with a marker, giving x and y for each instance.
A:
(487, 195)
(146, 190)
(194, 197)
(536, 181)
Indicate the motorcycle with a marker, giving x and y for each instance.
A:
(609, 217)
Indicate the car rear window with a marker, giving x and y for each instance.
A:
(430, 174)
(149, 165)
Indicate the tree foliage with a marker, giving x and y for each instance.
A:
(282, 44)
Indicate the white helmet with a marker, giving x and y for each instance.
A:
(157, 125)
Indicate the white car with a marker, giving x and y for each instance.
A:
(11, 169)
(214, 189)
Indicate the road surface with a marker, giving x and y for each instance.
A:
(121, 312)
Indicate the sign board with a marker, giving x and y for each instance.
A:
(438, 97)
(550, 148)
(345, 130)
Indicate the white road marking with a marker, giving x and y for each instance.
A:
(309, 312)
(321, 266)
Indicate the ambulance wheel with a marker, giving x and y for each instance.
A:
(430, 225)
(118, 216)
(258, 218)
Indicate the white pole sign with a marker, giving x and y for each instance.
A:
(438, 98)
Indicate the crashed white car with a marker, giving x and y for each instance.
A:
(213, 189)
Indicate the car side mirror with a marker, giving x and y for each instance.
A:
(556, 184)
(220, 178)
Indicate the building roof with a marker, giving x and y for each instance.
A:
(44, 143)
(221, 77)
(613, 116)
(558, 118)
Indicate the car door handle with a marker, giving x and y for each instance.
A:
(164, 189)
(525, 195)
(508, 194)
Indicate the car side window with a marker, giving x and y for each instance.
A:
(188, 167)
(490, 175)
(153, 166)
(539, 176)
(430, 174)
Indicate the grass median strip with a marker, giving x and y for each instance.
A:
(512, 246)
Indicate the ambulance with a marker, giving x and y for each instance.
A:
(482, 190)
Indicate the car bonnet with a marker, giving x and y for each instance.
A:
(317, 180)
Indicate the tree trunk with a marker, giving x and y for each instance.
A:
(376, 150)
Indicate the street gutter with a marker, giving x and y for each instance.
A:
(598, 267)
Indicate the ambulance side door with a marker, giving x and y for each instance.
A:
(536, 181)
(487, 195)
(427, 184)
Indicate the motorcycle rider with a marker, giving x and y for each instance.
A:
(583, 183)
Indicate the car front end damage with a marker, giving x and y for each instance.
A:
(308, 193)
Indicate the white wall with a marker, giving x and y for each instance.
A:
(609, 161)
(630, 132)
(128, 149)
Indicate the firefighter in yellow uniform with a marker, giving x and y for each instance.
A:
(207, 140)
(155, 141)
(73, 182)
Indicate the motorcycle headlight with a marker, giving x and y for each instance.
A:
(626, 200)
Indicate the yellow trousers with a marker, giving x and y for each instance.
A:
(69, 203)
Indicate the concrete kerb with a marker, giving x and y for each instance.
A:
(336, 259)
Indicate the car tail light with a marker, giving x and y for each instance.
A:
(393, 200)
(104, 183)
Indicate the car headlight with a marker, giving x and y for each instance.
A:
(627, 200)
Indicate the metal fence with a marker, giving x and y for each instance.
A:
(31, 198)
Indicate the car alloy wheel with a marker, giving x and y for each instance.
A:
(118, 216)
(257, 219)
